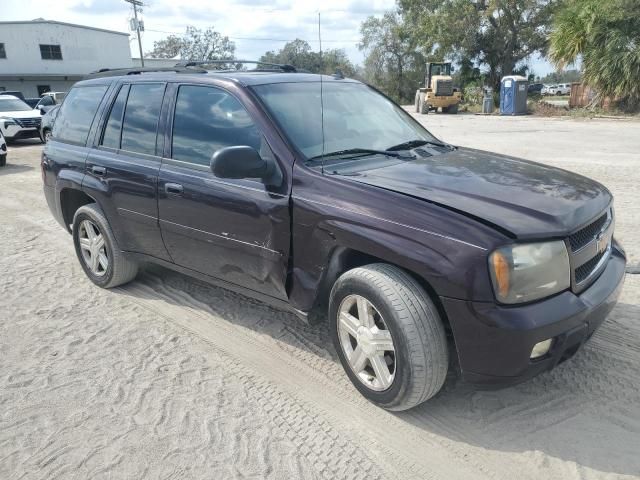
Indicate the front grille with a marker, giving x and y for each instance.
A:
(584, 270)
(588, 233)
(589, 247)
(444, 88)
(29, 122)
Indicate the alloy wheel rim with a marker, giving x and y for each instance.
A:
(366, 342)
(93, 248)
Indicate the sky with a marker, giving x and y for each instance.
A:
(255, 26)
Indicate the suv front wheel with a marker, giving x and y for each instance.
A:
(96, 248)
(389, 336)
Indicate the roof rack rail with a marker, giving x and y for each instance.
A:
(116, 72)
(279, 66)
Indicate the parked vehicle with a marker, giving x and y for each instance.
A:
(329, 197)
(17, 119)
(535, 88)
(3, 151)
(559, 89)
(46, 101)
(32, 102)
(13, 93)
(438, 90)
(46, 126)
(57, 97)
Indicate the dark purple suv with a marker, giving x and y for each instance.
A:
(325, 195)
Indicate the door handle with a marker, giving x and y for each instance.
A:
(173, 188)
(100, 171)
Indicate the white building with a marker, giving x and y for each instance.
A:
(41, 55)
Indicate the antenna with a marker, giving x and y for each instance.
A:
(321, 99)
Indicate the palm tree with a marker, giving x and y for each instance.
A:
(606, 35)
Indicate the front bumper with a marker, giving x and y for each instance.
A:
(494, 342)
(15, 132)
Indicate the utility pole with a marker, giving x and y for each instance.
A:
(136, 4)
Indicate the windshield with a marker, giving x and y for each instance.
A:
(355, 117)
(13, 105)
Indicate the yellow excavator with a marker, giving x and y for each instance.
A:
(438, 91)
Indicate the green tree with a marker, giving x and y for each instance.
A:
(393, 61)
(606, 35)
(299, 53)
(562, 76)
(498, 35)
(195, 44)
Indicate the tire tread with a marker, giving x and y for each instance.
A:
(427, 346)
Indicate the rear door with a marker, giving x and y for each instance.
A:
(122, 168)
(66, 154)
(234, 230)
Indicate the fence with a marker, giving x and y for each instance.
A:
(582, 95)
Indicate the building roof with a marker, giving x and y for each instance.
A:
(54, 22)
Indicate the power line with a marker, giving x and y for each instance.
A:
(260, 39)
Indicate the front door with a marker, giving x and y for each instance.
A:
(234, 230)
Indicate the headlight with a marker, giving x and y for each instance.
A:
(522, 273)
(7, 121)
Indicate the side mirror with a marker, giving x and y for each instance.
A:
(452, 70)
(239, 162)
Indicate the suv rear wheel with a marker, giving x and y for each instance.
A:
(96, 248)
(388, 335)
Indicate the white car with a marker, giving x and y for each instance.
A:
(3, 151)
(559, 89)
(49, 100)
(17, 119)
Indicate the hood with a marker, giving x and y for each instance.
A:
(25, 114)
(525, 199)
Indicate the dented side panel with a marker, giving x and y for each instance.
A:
(331, 214)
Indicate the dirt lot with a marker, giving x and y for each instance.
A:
(171, 378)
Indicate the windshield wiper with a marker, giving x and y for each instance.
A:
(360, 151)
(417, 143)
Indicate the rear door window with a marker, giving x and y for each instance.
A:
(76, 114)
(113, 128)
(141, 115)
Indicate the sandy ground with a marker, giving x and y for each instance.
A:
(171, 378)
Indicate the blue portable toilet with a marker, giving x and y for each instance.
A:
(513, 95)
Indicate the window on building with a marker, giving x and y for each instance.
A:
(50, 52)
(43, 89)
(140, 123)
(208, 119)
(76, 114)
(3, 52)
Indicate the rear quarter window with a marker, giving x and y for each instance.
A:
(77, 112)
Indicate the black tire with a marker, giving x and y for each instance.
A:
(424, 106)
(453, 109)
(420, 344)
(120, 269)
(3, 160)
